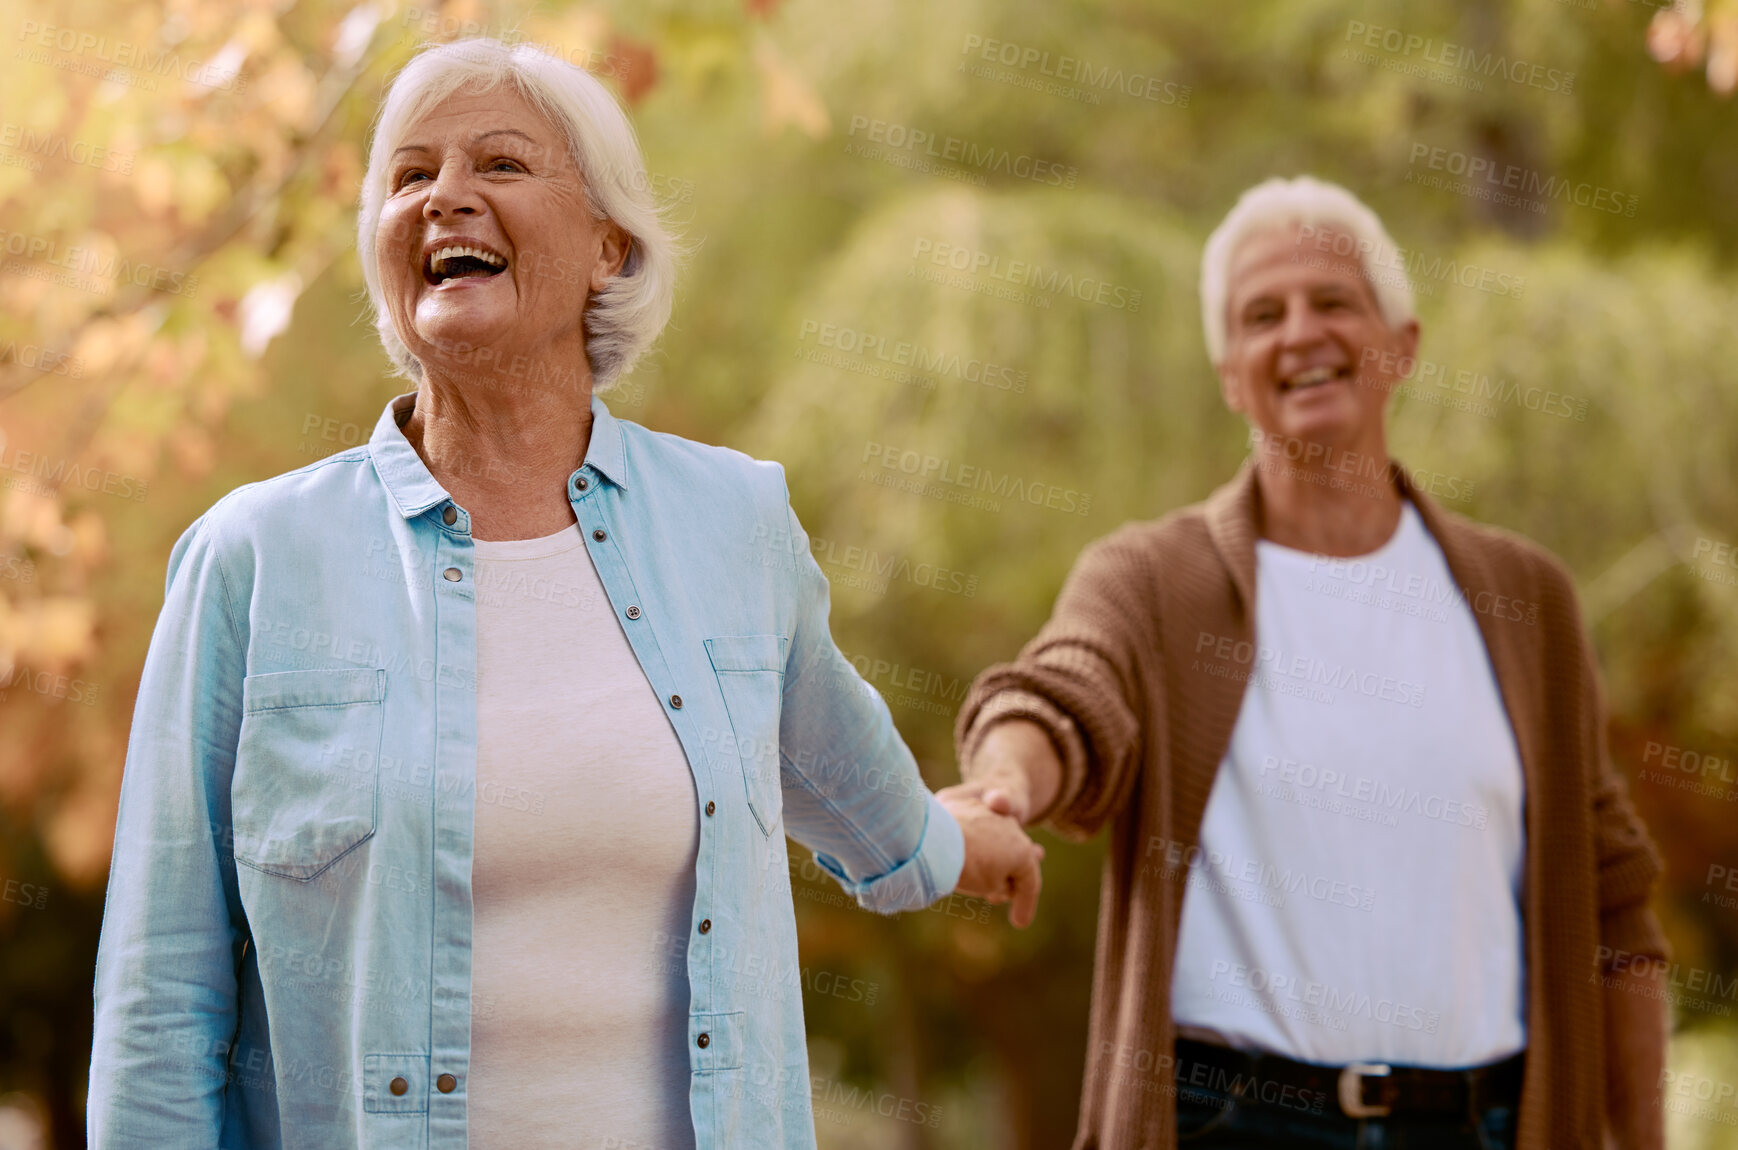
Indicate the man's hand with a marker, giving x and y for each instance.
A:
(1001, 862)
(1015, 771)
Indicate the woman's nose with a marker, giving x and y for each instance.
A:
(452, 193)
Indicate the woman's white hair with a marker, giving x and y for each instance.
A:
(626, 317)
(1310, 203)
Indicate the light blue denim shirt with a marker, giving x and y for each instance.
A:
(286, 947)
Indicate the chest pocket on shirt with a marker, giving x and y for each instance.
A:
(750, 671)
(307, 768)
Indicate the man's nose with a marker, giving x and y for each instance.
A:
(1303, 326)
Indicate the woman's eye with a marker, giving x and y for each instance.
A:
(505, 166)
(410, 176)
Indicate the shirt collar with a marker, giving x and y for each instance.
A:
(415, 490)
(605, 454)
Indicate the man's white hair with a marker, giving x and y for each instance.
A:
(1310, 203)
(626, 317)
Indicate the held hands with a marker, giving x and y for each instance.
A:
(1014, 772)
(1001, 862)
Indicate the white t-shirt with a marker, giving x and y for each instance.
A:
(583, 875)
(1358, 892)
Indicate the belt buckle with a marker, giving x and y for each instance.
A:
(1352, 1089)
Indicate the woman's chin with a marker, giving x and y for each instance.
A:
(452, 326)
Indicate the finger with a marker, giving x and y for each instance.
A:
(1009, 803)
(1028, 880)
(991, 890)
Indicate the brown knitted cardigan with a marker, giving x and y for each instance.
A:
(1126, 678)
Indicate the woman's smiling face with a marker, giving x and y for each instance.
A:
(486, 240)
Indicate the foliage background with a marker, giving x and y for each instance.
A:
(236, 353)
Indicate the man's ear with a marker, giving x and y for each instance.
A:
(1406, 336)
(1228, 387)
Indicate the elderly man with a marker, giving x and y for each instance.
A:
(1372, 878)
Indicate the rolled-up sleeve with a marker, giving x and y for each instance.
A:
(173, 928)
(852, 790)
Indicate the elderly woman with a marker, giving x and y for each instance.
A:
(1373, 880)
(456, 799)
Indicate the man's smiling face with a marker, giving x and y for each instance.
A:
(1303, 332)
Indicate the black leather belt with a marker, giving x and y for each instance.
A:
(1362, 1089)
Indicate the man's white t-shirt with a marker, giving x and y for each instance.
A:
(583, 874)
(1358, 892)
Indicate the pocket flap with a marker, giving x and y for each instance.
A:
(320, 687)
(747, 652)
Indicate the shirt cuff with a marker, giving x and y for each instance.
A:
(934, 870)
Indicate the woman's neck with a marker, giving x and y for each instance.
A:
(503, 449)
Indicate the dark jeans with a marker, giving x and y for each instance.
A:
(1210, 1118)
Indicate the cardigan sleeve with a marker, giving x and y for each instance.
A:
(1628, 862)
(1080, 679)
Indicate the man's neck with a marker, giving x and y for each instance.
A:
(1345, 503)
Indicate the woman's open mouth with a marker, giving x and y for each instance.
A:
(461, 261)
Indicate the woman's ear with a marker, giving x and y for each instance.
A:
(612, 253)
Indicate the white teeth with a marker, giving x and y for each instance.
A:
(437, 262)
(1312, 376)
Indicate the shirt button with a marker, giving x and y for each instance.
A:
(450, 516)
(710, 807)
(581, 483)
(398, 1086)
(705, 926)
(599, 535)
(676, 702)
(703, 1041)
(633, 612)
(446, 1084)
(453, 574)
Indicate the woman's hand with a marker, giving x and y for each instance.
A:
(1001, 862)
